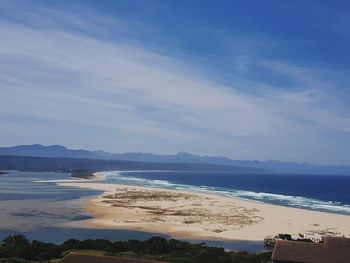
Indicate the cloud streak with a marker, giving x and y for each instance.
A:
(58, 73)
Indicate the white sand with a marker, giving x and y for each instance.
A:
(185, 214)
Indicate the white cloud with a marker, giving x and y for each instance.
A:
(142, 100)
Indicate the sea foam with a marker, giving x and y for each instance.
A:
(270, 198)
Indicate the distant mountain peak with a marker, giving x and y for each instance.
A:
(53, 151)
(39, 150)
(56, 146)
(28, 145)
(39, 146)
(185, 154)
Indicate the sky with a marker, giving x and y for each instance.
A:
(264, 80)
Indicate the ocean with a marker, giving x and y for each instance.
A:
(327, 193)
(32, 203)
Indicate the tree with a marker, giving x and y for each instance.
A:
(16, 246)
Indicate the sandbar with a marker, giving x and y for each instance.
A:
(197, 215)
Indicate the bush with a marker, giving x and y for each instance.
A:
(18, 249)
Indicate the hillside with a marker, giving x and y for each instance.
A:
(26, 163)
(58, 151)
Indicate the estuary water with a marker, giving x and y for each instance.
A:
(31, 203)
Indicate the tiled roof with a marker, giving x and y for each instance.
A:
(332, 250)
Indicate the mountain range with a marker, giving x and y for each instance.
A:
(54, 151)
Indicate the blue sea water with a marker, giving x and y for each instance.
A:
(33, 204)
(328, 193)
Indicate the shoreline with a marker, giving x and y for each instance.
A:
(193, 215)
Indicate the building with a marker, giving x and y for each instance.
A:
(331, 250)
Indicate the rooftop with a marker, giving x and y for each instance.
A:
(331, 250)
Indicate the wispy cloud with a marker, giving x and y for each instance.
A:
(97, 91)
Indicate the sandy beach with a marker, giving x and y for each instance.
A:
(183, 214)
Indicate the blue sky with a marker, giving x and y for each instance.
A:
(245, 79)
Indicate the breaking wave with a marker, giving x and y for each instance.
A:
(270, 198)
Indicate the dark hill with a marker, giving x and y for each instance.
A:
(26, 163)
(54, 151)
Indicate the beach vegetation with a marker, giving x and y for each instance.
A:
(18, 248)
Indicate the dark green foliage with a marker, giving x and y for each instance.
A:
(44, 251)
(212, 254)
(118, 247)
(18, 249)
(244, 257)
(15, 246)
(13, 260)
